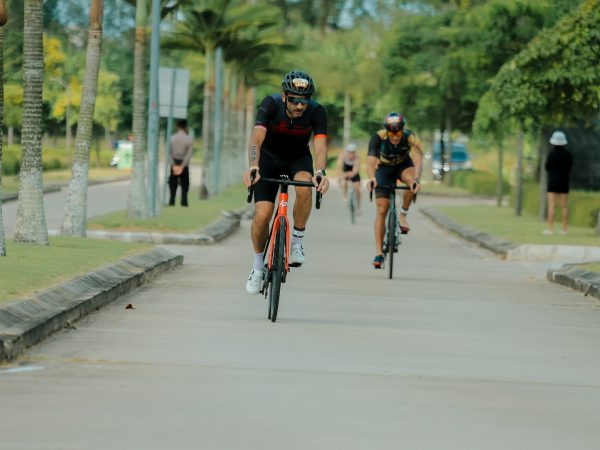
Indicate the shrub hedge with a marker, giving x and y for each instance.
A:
(478, 182)
(52, 159)
(583, 205)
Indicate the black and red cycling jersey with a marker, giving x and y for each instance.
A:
(285, 136)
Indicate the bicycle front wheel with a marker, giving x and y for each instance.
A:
(391, 240)
(277, 270)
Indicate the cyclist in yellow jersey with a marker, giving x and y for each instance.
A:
(394, 154)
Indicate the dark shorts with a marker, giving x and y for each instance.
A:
(355, 178)
(272, 167)
(388, 175)
(558, 184)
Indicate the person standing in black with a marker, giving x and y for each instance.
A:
(181, 153)
(558, 165)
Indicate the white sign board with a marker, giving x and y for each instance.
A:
(173, 87)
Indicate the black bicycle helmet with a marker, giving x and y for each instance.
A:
(298, 83)
(394, 122)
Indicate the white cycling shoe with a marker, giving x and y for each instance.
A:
(254, 282)
(297, 257)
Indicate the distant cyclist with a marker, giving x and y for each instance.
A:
(394, 154)
(348, 167)
(279, 146)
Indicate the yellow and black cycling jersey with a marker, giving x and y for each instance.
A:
(388, 153)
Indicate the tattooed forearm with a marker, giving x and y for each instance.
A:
(252, 154)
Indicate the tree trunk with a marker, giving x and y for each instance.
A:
(519, 194)
(449, 149)
(2, 22)
(74, 222)
(68, 130)
(30, 224)
(500, 185)
(3, 17)
(347, 117)
(207, 141)
(215, 186)
(250, 101)
(137, 204)
(543, 148)
(240, 132)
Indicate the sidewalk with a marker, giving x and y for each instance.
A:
(568, 274)
(25, 322)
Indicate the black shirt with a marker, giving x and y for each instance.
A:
(558, 165)
(286, 136)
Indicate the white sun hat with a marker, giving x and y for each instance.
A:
(558, 138)
(351, 147)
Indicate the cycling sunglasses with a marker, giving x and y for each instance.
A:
(298, 100)
(396, 133)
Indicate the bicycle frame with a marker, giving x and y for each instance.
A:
(392, 211)
(281, 215)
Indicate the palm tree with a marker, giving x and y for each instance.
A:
(209, 24)
(137, 204)
(30, 225)
(3, 19)
(74, 222)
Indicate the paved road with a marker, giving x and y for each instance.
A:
(102, 199)
(459, 351)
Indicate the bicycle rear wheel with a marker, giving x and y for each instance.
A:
(277, 270)
(391, 242)
(352, 206)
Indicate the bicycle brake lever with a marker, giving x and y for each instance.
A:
(319, 195)
(251, 187)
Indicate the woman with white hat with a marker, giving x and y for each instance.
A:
(558, 166)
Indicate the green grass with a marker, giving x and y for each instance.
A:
(593, 267)
(28, 268)
(526, 229)
(175, 218)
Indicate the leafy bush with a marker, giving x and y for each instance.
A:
(583, 205)
(52, 159)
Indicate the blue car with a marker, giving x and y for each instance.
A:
(461, 160)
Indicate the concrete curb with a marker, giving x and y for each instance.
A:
(497, 245)
(211, 234)
(568, 275)
(581, 280)
(26, 322)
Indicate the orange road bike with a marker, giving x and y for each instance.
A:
(277, 249)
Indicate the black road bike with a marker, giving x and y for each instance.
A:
(392, 238)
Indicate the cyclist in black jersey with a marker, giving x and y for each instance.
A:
(348, 167)
(394, 154)
(279, 146)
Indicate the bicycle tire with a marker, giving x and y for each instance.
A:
(391, 240)
(278, 270)
(351, 205)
